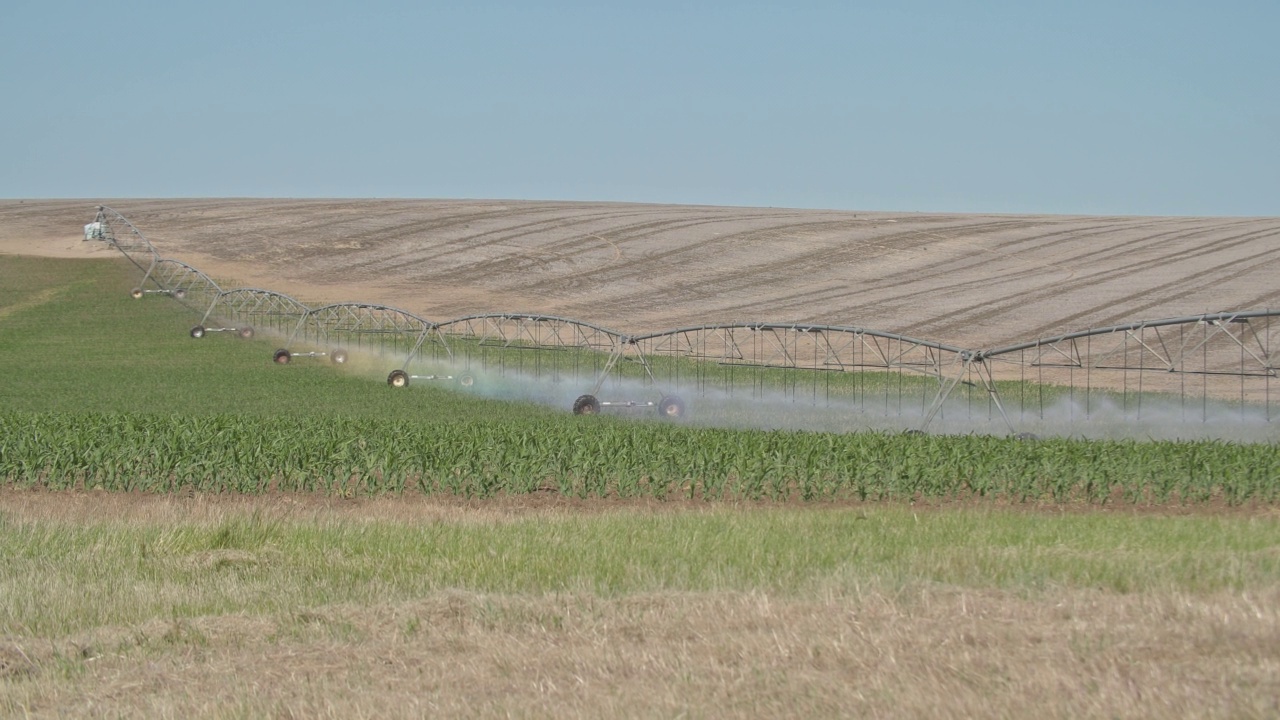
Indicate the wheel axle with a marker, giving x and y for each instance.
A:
(138, 293)
(243, 331)
(284, 356)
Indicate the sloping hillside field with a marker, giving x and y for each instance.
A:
(965, 280)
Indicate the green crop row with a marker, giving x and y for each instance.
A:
(596, 458)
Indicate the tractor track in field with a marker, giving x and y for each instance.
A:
(975, 280)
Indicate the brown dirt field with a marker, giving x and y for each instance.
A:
(90, 505)
(970, 280)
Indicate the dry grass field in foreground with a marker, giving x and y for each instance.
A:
(970, 280)
(331, 627)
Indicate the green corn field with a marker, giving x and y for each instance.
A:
(99, 390)
(586, 458)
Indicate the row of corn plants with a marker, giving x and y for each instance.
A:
(595, 458)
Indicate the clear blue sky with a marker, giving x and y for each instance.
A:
(1146, 108)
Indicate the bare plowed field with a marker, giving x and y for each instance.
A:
(971, 280)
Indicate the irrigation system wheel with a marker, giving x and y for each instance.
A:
(466, 381)
(179, 293)
(586, 405)
(671, 407)
(282, 357)
(338, 357)
(136, 293)
(197, 332)
(398, 379)
(245, 332)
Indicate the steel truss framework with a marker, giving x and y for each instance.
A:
(183, 282)
(366, 325)
(526, 330)
(259, 308)
(794, 346)
(510, 335)
(131, 242)
(1196, 344)
(1231, 354)
(1227, 354)
(170, 277)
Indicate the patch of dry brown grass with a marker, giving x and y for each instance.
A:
(873, 648)
(933, 651)
(212, 509)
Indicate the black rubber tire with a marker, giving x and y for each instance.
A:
(466, 381)
(282, 357)
(338, 357)
(136, 293)
(245, 332)
(586, 405)
(670, 407)
(913, 431)
(398, 379)
(179, 293)
(197, 332)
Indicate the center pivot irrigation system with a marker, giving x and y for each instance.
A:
(180, 281)
(1192, 369)
(523, 332)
